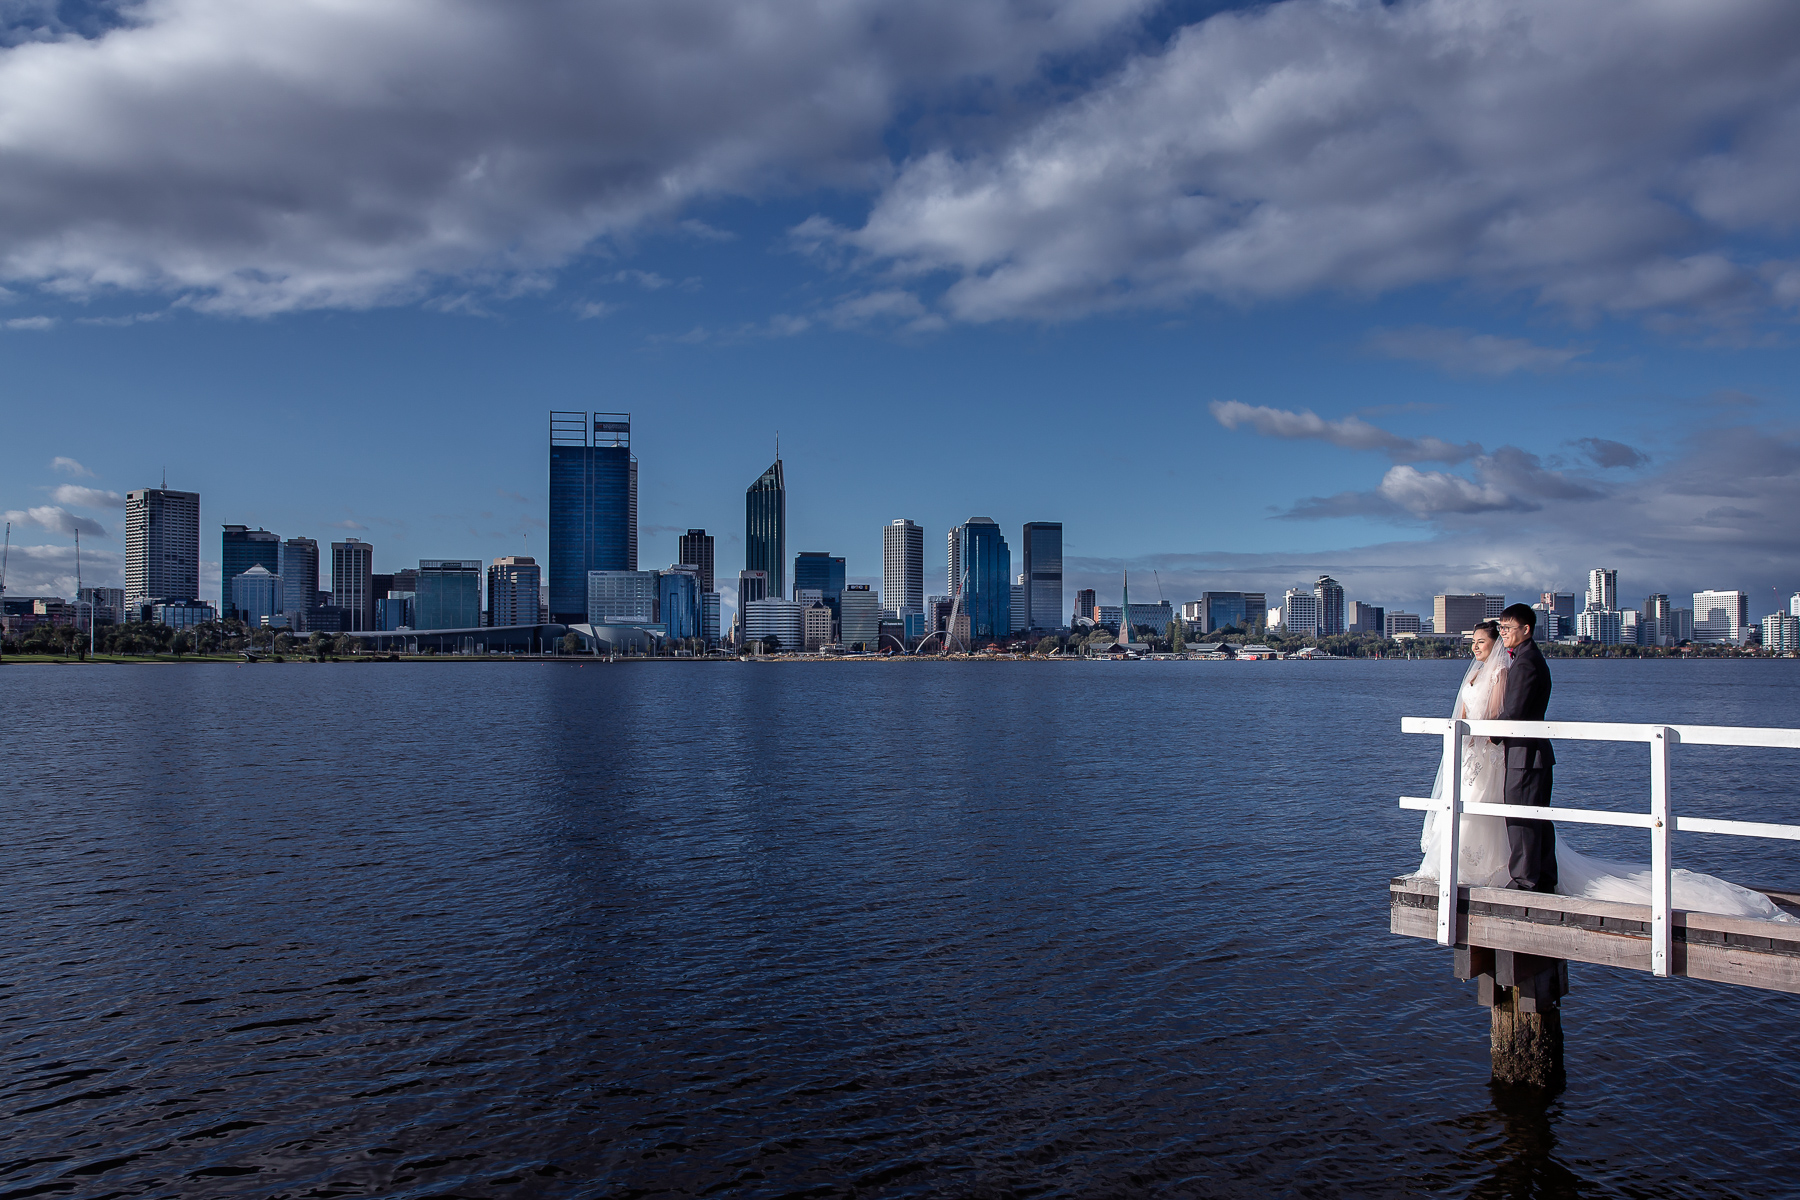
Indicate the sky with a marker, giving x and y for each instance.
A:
(1434, 295)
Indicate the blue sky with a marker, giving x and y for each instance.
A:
(1427, 296)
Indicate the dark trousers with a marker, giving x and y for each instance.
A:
(1533, 843)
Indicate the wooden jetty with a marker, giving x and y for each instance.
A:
(1517, 945)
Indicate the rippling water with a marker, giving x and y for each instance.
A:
(1015, 929)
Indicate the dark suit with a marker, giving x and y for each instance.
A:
(1528, 764)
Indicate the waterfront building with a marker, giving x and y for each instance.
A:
(593, 506)
(765, 528)
(937, 613)
(1215, 611)
(1598, 625)
(406, 580)
(512, 591)
(817, 623)
(395, 611)
(1020, 616)
(1085, 601)
(776, 621)
(1154, 617)
(1460, 614)
(1794, 604)
(903, 566)
(1107, 615)
(1041, 546)
(448, 594)
(1366, 618)
(1681, 625)
(696, 546)
(1328, 602)
(1399, 622)
(859, 617)
(181, 614)
(820, 572)
(1654, 626)
(329, 618)
(162, 545)
(1300, 612)
(299, 581)
(709, 619)
(678, 600)
(1562, 604)
(352, 582)
(1721, 617)
(1603, 588)
(752, 585)
(1630, 631)
(620, 598)
(255, 594)
(985, 563)
(953, 571)
(240, 549)
(891, 634)
(379, 586)
(917, 628)
(1549, 626)
(1781, 633)
(105, 605)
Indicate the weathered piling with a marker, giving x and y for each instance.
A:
(1523, 993)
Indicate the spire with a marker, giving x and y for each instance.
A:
(1124, 638)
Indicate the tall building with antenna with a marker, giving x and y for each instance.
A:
(765, 527)
(593, 506)
(162, 545)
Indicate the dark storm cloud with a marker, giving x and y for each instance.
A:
(1609, 454)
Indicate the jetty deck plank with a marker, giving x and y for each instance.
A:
(1760, 954)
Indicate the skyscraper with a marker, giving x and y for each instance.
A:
(593, 505)
(1655, 628)
(299, 581)
(979, 551)
(1458, 614)
(765, 528)
(513, 591)
(1328, 597)
(1721, 616)
(859, 617)
(696, 547)
(678, 601)
(1042, 550)
(240, 549)
(1300, 612)
(752, 585)
(449, 594)
(821, 572)
(953, 571)
(162, 545)
(352, 583)
(903, 566)
(1603, 589)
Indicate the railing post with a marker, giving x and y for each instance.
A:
(1450, 845)
(1662, 824)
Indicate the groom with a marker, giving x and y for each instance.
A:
(1528, 760)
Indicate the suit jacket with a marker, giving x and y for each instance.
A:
(1527, 699)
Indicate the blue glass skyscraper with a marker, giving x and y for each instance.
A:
(593, 505)
(824, 572)
(986, 564)
(678, 601)
(241, 549)
(765, 528)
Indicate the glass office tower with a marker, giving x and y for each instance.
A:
(765, 529)
(593, 505)
(695, 547)
(242, 549)
(1043, 571)
(825, 572)
(449, 594)
(986, 563)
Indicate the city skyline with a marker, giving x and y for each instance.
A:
(1585, 354)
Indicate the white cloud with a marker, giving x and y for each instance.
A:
(1461, 352)
(69, 466)
(1611, 156)
(258, 158)
(86, 497)
(33, 324)
(1353, 433)
(54, 519)
(50, 570)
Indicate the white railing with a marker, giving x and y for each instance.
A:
(1659, 821)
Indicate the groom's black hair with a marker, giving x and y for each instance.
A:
(1524, 614)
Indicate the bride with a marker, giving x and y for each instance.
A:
(1484, 851)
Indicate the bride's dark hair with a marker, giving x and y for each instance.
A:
(1491, 628)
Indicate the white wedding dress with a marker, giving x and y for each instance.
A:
(1484, 852)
